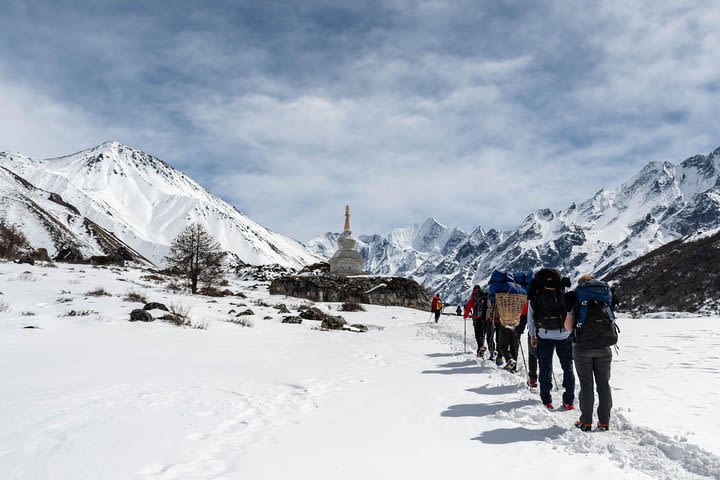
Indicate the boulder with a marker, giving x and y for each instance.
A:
(107, 260)
(333, 323)
(313, 313)
(26, 259)
(40, 255)
(359, 327)
(155, 305)
(69, 254)
(292, 319)
(245, 312)
(282, 308)
(140, 315)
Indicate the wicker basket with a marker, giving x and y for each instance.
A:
(509, 307)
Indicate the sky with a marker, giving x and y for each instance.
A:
(476, 113)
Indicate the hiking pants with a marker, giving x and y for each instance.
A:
(545, 349)
(508, 343)
(490, 335)
(594, 364)
(532, 361)
(437, 315)
(479, 327)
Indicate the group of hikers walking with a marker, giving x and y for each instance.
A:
(576, 325)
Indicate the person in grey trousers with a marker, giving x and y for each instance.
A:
(592, 366)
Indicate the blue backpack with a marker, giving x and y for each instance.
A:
(595, 325)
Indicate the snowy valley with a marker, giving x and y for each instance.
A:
(90, 395)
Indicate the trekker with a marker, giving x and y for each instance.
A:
(477, 307)
(532, 351)
(436, 307)
(508, 345)
(496, 326)
(458, 311)
(546, 325)
(591, 319)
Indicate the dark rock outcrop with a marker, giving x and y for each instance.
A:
(69, 254)
(40, 255)
(140, 315)
(155, 305)
(245, 312)
(292, 319)
(107, 260)
(395, 291)
(26, 259)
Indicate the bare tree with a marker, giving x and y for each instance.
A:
(12, 241)
(196, 255)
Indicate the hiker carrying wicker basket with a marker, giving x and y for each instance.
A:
(508, 299)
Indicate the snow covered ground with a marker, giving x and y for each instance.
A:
(94, 396)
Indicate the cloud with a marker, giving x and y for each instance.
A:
(476, 114)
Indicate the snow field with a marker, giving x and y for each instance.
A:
(95, 396)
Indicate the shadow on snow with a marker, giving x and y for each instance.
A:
(503, 436)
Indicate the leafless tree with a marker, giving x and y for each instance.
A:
(12, 242)
(196, 255)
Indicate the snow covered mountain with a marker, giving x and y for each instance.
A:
(146, 203)
(661, 203)
(402, 252)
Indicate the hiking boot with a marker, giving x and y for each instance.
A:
(532, 383)
(549, 406)
(604, 427)
(493, 355)
(585, 427)
(481, 351)
(511, 366)
(568, 406)
(499, 361)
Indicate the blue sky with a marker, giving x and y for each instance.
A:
(475, 113)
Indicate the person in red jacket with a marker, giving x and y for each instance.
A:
(477, 307)
(436, 307)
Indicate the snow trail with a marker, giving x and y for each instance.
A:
(507, 399)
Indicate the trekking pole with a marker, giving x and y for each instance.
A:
(523, 355)
(464, 335)
(431, 315)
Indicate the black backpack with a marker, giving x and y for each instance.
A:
(546, 299)
(595, 325)
(480, 307)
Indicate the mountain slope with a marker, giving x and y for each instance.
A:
(146, 203)
(681, 276)
(50, 222)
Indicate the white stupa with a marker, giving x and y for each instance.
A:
(347, 260)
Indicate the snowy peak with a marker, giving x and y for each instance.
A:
(146, 203)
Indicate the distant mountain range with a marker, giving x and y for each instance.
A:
(662, 203)
(113, 196)
(135, 198)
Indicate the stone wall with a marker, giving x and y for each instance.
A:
(389, 291)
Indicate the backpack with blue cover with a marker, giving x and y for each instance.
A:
(507, 297)
(524, 279)
(503, 282)
(595, 325)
